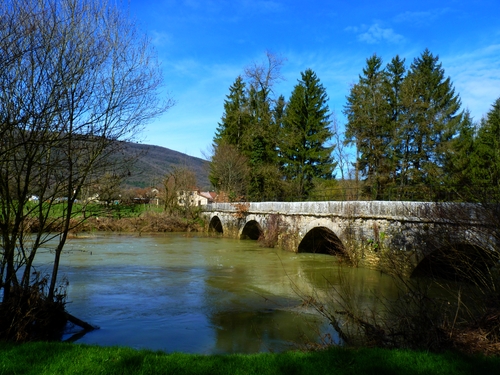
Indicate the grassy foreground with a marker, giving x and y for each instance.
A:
(61, 358)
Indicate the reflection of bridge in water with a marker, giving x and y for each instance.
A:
(431, 234)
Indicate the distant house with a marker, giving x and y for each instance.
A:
(195, 197)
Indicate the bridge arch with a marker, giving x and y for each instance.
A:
(321, 240)
(215, 225)
(251, 231)
(459, 262)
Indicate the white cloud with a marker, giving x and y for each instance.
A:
(420, 18)
(375, 34)
(476, 77)
(160, 39)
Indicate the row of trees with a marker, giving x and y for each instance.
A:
(411, 135)
(267, 148)
(412, 138)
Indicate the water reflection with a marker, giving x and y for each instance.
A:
(195, 294)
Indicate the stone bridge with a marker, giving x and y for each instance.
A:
(425, 234)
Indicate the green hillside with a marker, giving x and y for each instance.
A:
(154, 162)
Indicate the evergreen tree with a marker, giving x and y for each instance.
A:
(395, 71)
(236, 119)
(461, 167)
(473, 165)
(305, 132)
(250, 123)
(260, 140)
(487, 161)
(431, 119)
(368, 113)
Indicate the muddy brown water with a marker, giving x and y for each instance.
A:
(195, 294)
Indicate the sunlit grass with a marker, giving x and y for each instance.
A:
(60, 358)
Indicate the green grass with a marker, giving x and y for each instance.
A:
(60, 358)
(116, 211)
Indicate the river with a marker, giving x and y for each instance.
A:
(190, 293)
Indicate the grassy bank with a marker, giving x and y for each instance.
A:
(132, 218)
(61, 358)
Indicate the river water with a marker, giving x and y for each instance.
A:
(189, 293)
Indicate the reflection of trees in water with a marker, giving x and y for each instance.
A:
(257, 331)
(254, 307)
(366, 287)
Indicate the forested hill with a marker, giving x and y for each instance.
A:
(154, 162)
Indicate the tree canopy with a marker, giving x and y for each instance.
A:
(413, 140)
(404, 125)
(280, 149)
(303, 150)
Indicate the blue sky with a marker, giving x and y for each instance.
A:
(204, 45)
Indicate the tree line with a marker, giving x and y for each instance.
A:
(268, 148)
(412, 138)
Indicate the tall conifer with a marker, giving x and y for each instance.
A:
(368, 127)
(432, 118)
(304, 152)
(395, 74)
(236, 119)
(488, 148)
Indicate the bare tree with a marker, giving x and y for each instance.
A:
(263, 76)
(229, 171)
(340, 152)
(108, 189)
(76, 79)
(177, 184)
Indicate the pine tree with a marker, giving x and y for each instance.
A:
(488, 149)
(395, 71)
(236, 119)
(368, 113)
(250, 123)
(305, 132)
(473, 165)
(432, 118)
(461, 167)
(260, 140)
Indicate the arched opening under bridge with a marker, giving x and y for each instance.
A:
(461, 262)
(251, 231)
(323, 241)
(215, 225)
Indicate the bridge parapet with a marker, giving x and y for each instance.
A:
(389, 210)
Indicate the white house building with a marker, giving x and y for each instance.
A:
(195, 197)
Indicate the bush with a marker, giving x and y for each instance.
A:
(29, 315)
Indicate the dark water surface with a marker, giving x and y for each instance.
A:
(195, 294)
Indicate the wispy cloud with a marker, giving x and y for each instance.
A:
(375, 34)
(420, 18)
(476, 76)
(160, 38)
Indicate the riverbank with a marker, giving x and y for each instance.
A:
(144, 222)
(64, 358)
(120, 219)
